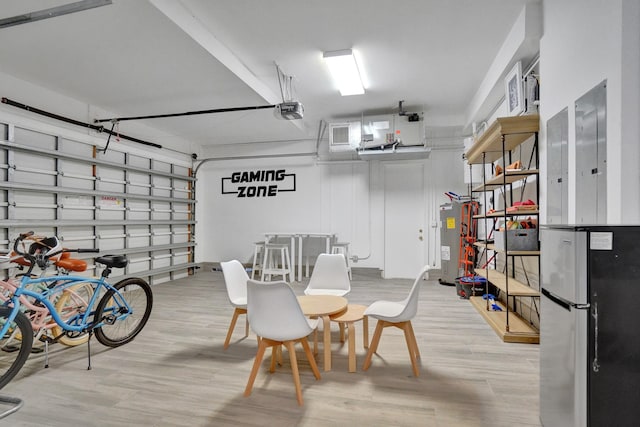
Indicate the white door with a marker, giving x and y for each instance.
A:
(404, 217)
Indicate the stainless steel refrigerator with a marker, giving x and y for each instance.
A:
(590, 326)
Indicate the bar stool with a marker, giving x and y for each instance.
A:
(258, 258)
(342, 248)
(276, 261)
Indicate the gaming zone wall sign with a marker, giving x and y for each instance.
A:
(260, 183)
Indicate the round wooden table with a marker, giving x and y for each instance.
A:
(323, 306)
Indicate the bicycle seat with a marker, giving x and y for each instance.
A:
(72, 264)
(21, 261)
(117, 261)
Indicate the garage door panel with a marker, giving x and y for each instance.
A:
(115, 201)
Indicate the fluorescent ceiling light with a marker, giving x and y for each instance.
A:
(344, 70)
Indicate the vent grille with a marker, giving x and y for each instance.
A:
(344, 136)
(340, 135)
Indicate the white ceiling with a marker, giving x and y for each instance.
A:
(164, 56)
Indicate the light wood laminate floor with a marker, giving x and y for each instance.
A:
(175, 373)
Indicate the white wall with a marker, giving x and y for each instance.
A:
(346, 198)
(521, 44)
(630, 111)
(585, 43)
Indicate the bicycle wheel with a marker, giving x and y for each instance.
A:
(70, 306)
(15, 345)
(137, 293)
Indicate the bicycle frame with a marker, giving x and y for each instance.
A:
(38, 315)
(81, 323)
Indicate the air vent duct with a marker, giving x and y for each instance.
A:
(344, 136)
(411, 152)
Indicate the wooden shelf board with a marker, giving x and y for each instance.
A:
(515, 129)
(524, 212)
(500, 214)
(519, 330)
(509, 177)
(492, 247)
(516, 288)
(489, 246)
(520, 253)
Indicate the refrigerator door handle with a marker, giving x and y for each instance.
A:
(558, 300)
(580, 306)
(595, 365)
(567, 305)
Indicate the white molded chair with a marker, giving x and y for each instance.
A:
(342, 248)
(398, 314)
(235, 279)
(330, 276)
(276, 317)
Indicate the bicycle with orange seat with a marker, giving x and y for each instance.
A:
(68, 303)
(115, 314)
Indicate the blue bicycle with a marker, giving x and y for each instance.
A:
(115, 314)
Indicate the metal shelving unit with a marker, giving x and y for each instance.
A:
(503, 136)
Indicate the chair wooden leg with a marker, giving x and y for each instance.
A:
(408, 336)
(294, 370)
(341, 325)
(374, 345)
(413, 339)
(365, 332)
(234, 319)
(262, 346)
(280, 355)
(274, 358)
(276, 349)
(246, 325)
(315, 341)
(312, 361)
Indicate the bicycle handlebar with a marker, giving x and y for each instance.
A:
(25, 235)
(30, 236)
(42, 259)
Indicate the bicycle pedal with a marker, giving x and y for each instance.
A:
(10, 348)
(109, 320)
(46, 338)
